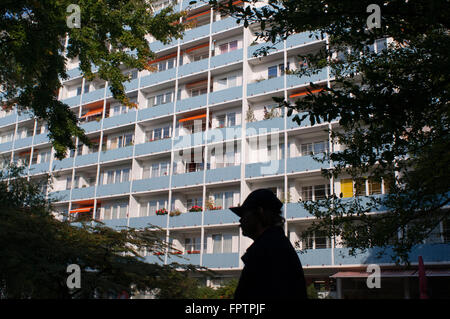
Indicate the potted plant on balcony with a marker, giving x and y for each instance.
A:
(175, 212)
(250, 116)
(193, 251)
(161, 211)
(195, 208)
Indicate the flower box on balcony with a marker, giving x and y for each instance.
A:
(176, 252)
(161, 211)
(175, 212)
(193, 251)
(195, 209)
(158, 253)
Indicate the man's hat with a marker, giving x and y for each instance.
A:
(262, 197)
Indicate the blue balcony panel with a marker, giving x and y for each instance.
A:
(265, 126)
(305, 163)
(23, 142)
(41, 139)
(25, 115)
(158, 77)
(113, 189)
(60, 196)
(431, 253)
(226, 260)
(39, 168)
(302, 38)
(93, 96)
(193, 67)
(132, 85)
(186, 220)
(73, 73)
(155, 111)
(296, 210)
(118, 153)
(83, 193)
(159, 46)
(223, 174)
(62, 164)
(265, 86)
(221, 216)
(225, 24)
(189, 140)
(253, 50)
(149, 184)
(315, 257)
(191, 103)
(157, 146)
(86, 159)
(72, 101)
(119, 223)
(187, 179)
(295, 80)
(291, 124)
(8, 120)
(152, 259)
(4, 147)
(224, 134)
(91, 126)
(186, 4)
(196, 33)
(122, 119)
(226, 58)
(274, 167)
(193, 259)
(226, 95)
(148, 221)
(342, 257)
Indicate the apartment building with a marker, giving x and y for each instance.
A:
(205, 134)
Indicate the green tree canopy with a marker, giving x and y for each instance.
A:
(36, 248)
(391, 105)
(33, 54)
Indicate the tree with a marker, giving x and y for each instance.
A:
(33, 55)
(391, 105)
(36, 249)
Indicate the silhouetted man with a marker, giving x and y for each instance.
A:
(272, 269)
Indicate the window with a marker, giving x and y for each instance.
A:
(307, 193)
(86, 88)
(69, 182)
(159, 99)
(315, 192)
(272, 72)
(115, 211)
(228, 47)
(200, 91)
(374, 186)
(45, 156)
(381, 44)
(192, 245)
(318, 240)
(118, 176)
(233, 45)
(120, 109)
(314, 148)
(79, 90)
(121, 141)
(194, 201)
(222, 243)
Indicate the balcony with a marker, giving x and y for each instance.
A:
(193, 67)
(93, 96)
(132, 85)
(60, 196)
(157, 46)
(83, 193)
(225, 24)
(302, 38)
(123, 119)
(187, 179)
(221, 216)
(63, 164)
(265, 86)
(118, 223)
(149, 184)
(155, 111)
(224, 134)
(226, 58)
(226, 95)
(113, 189)
(252, 49)
(115, 154)
(72, 101)
(315, 257)
(23, 142)
(157, 77)
(87, 159)
(188, 219)
(273, 167)
(25, 115)
(4, 147)
(295, 80)
(290, 124)
(226, 260)
(196, 33)
(223, 174)
(193, 259)
(296, 210)
(305, 163)
(191, 103)
(91, 126)
(265, 126)
(8, 120)
(39, 168)
(147, 221)
(41, 139)
(73, 73)
(152, 147)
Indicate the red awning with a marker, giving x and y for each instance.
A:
(193, 118)
(82, 210)
(93, 112)
(304, 93)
